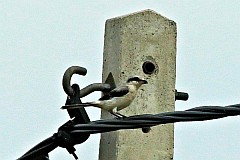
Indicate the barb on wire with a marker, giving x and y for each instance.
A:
(147, 120)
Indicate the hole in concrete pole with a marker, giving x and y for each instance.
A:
(148, 67)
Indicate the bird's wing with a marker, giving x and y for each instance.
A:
(117, 92)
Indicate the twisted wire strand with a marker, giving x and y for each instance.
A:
(202, 113)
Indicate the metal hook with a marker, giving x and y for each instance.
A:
(104, 87)
(67, 78)
(85, 91)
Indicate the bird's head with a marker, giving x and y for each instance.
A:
(137, 81)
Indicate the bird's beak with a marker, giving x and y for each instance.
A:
(144, 81)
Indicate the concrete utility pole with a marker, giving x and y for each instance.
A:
(142, 43)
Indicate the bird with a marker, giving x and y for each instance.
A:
(117, 99)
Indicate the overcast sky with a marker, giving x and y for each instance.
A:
(39, 40)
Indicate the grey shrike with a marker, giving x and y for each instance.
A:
(117, 99)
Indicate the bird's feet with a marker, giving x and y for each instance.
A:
(121, 116)
(118, 115)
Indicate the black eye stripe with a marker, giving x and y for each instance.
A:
(133, 79)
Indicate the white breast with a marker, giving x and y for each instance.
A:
(120, 102)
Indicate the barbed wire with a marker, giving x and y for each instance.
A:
(202, 113)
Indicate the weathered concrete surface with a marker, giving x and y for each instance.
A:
(130, 41)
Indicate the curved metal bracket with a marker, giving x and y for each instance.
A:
(66, 83)
(67, 78)
(104, 87)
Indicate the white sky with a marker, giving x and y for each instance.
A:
(39, 40)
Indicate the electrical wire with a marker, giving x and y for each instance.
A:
(202, 113)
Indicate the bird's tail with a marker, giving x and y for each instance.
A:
(80, 105)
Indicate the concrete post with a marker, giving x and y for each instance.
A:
(142, 43)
